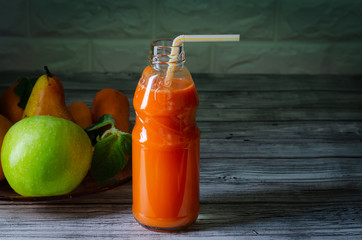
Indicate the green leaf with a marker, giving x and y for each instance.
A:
(96, 129)
(110, 154)
(104, 120)
(23, 90)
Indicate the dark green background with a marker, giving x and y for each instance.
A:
(277, 36)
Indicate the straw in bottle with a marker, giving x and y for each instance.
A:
(195, 38)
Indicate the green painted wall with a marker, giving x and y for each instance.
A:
(277, 36)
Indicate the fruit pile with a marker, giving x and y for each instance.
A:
(47, 148)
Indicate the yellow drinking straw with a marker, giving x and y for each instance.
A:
(195, 38)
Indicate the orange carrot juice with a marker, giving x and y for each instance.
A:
(165, 152)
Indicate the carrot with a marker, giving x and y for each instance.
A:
(81, 114)
(115, 103)
(9, 104)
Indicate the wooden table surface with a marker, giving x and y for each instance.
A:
(281, 158)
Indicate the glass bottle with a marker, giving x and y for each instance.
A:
(165, 143)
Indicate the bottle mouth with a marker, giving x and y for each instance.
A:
(161, 52)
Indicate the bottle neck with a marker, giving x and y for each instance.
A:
(163, 54)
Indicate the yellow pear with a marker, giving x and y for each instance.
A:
(47, 98)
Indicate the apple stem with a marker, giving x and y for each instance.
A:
(47, 71)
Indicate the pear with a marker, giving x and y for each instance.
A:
(47, 98)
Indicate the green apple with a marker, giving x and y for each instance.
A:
(45, 156)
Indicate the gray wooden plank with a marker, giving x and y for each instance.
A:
(348, 109)
(255, 82)
(262, 106)
(253, 100)
(282, 130)
(206, 82)
(284, 180)
(273, 115)
(267, 115)
(280, 99)
(240, 98)
(216, 221)
(216, 148)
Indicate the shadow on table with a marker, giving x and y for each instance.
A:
(71, 212)
(239, 209)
